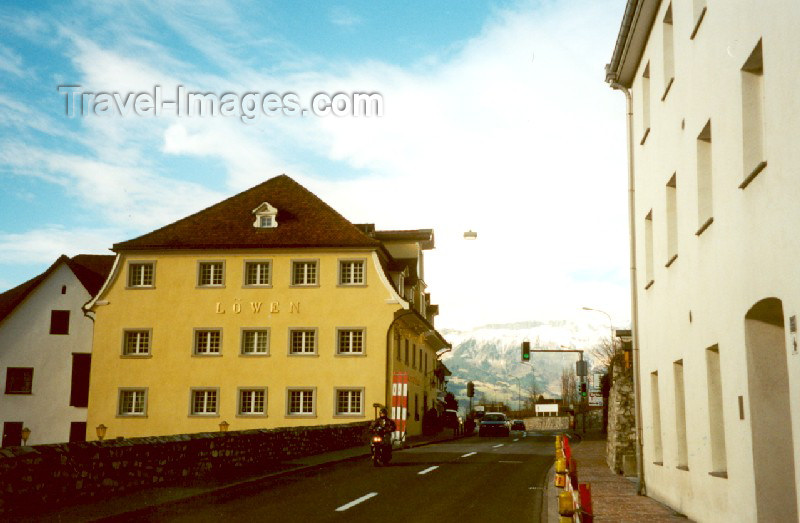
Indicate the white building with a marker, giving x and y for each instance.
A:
(45, 351)
(716, 165)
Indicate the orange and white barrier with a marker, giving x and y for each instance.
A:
(575, 500)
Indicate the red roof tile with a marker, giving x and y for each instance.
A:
(303, 221)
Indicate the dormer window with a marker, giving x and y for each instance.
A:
(266, 216)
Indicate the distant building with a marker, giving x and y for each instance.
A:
(714, 87)
(45, 351)
(268, 309)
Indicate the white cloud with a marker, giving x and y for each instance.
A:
(343, 17)
(47, 243)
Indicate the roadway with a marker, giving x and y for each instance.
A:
(470, 479)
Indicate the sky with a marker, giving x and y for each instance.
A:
(495, 118)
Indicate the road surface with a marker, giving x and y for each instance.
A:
(470, 479)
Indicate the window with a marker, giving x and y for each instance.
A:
(705, 214)
(699, 10)
(645, 94)
(253, 402)
(204, 402)
(136, 343)
(59, 322)
(413, 356)
(300, 402)
(351, 272)
(132, 402)
(210, 274)
(680, 417)
(753, 115)
(406, 358)
(655, 402)
(207, 342)
(669, 52)
(672, 220)
(397, 346)
(266, 216)
(349, 402)
(79, 386)
(648, 248)
(19, 380)
(302, 341)
(716, 418)
(304, 273)
(257, 273)
(141, 274)
(350, 341)
(255, 341)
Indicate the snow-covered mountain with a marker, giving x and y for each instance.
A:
(490, 356)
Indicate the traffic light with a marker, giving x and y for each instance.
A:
(584, 393)
(470, 389)
(526, 351)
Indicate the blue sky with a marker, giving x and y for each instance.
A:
(496, 119)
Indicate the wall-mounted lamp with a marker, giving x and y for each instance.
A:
(223, 426)
(26, 433)
(470, 235)
(101, 431)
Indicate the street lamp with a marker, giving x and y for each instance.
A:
(610, 324)
(101, 431)
(223, 426)
(26, 433)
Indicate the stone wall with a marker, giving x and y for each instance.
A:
(547, 423)
(621, 441)
(55, 475)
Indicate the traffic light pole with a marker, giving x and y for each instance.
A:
(581, 371)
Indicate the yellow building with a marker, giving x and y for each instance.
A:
(267, 309)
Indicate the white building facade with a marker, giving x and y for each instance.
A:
(716, 170)
(45, 352)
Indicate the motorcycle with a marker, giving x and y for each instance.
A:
(381, 448)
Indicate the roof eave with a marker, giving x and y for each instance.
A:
(634, 32)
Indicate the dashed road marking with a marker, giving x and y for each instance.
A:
(356, 502)
(516, 439)
(497, 446)
(429, 469)
(468, 454)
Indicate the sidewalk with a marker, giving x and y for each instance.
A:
(143, 500)
(614, 497)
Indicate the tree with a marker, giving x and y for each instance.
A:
(607, 353)
(569, 385)
(450, 401)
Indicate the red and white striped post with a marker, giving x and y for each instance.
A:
(399, 412)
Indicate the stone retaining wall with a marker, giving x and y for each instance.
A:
(50, 476)
(621, 440)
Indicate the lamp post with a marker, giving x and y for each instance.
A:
(26, 433)
(610, 323)
(101, 431)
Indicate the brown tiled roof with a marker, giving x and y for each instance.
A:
(303, 221)
(92, 270)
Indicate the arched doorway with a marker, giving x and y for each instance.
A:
(770, 414)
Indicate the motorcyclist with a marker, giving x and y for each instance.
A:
(383, 425)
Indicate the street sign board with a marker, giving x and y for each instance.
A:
(595, 399)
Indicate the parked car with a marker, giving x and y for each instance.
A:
(518, 424)
(494, 423)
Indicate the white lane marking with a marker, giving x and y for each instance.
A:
(517, 439)
(468, 454)
(429, 469)
(497, 446)
(356, 502)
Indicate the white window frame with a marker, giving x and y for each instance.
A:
(340, 414)
(304, 329)
(195, 347)
(352, 262)
(305, 282)
(240, 402)
(129, 277)
(338, 344)
(140, 390)
(195, 390)
(260, 331)
(126, 333)
(213, 264)
(301, 414)
(245, 268)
